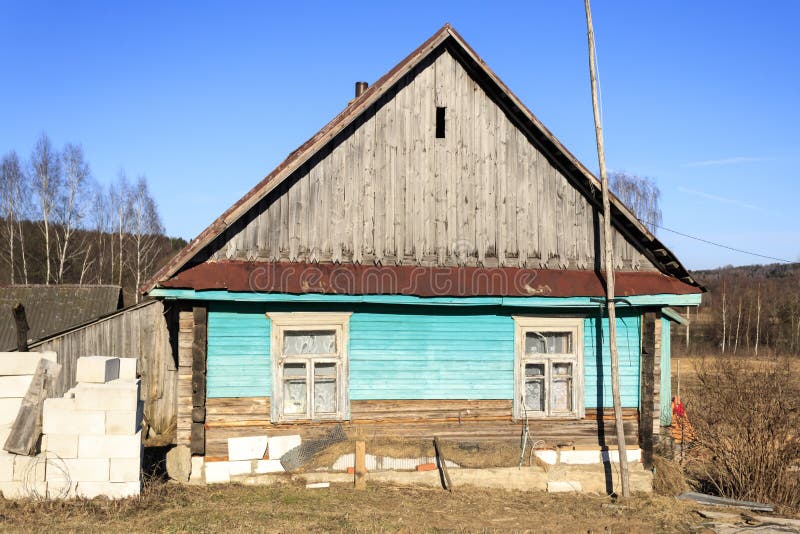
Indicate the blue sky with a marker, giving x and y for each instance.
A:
(206, 98)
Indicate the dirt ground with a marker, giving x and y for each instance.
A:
(291, 507)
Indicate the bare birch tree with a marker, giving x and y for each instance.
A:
(72, 205)
(13, 207)
(100, 224)
(144, 229)
(640, 194)
(119, 194)
(46, 178)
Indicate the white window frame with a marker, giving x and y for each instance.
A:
(525, 324)
(303, 321)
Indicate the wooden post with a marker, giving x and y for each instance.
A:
(27, 427)
(647, 388)
(609, 264)
(199, 344)
(442, 464)
(360, 471)
(21, 323)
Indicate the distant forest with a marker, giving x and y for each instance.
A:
(751, 310)
(58, 225)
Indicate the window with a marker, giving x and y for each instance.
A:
(309, 366)
(548, 371)
(440, 111)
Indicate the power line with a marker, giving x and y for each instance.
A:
(717, 244)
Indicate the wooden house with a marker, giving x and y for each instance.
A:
(427, 264)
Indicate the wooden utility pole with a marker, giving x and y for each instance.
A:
(609, 265)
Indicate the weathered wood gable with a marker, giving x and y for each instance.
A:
(388, 191)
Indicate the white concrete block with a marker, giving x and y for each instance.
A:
(280, 445)
(241, 467)
(125, 469)
(115, 395)
(217, 472)
(548, 456)
(5, 430)
(123, 423)
(97, 369)
(29, 468)
(22, 363)
(268, 466)
(80, 469)
(634, 455)
(110, 446)
(112, 490)
(21, 490)
(8, 410)
(6, 467)
(564, 486)
(61, 417)
(14, 386)
(197, 469)
(579, 457)
(61, 445)
(248, 448)
(127, 369)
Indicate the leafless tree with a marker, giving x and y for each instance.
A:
(72, 205)
(144, 229)
(101, 226)
(640, 194)
(14, 207)
(46, 178)
(119, 194)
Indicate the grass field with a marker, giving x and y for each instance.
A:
(290, 507)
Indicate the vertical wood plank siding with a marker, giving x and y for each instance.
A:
(387, 190)
(139, 332)
(414, 353)
(238, 351)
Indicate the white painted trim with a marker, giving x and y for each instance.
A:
(525, 323)
(339, 322)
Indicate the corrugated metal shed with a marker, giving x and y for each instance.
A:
(54, 308)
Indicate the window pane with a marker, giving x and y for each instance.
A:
(561, 389)
(548, 343)
(534, 395)
(294, 396)
(534, 369)
(294, 370)
(324, 387)
(309, 342)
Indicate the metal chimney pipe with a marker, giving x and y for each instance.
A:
(360, 88)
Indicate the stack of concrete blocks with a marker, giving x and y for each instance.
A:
(93, 434)
(248, 456)
(20, 476)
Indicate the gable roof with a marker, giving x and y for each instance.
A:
(53, 308)
(622, 218)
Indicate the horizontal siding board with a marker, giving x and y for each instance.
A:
(422, 353)
(425, 355)
(238, 351)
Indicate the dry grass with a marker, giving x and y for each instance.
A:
(746, 415)
(668, 478)
(291, 507)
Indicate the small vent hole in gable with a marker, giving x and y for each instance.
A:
(440, 122)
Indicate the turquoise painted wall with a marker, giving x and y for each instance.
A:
(432, 354)
(597, 363)
(238, 350)
(413, 352)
